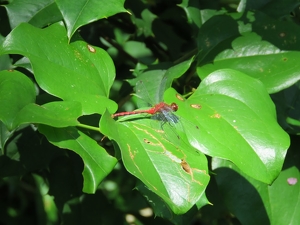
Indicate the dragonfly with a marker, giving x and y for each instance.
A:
(160, 111)
(164, 113)
(162, 108)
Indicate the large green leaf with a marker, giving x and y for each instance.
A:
(75, 71)
(16, 91)
(79, 13)
(162, 210)
(34, 12)
(172, 169)
(97, 162)
(260, 59)
(267, 50)
(236, 120)
(55, 114)
(247, 198)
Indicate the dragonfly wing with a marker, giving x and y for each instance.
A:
(143, 93)
(168, 122)
(166, 82)
(162, 88)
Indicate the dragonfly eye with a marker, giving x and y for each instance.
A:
(174, 107)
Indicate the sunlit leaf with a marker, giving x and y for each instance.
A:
(79, 13)
(235, 119)
(55, 114)
(75, 71)
(176, 173)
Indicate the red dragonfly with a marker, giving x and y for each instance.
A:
(161, 111)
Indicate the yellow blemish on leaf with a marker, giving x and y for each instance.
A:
(196, 106)
(179, 97)
(91, 49)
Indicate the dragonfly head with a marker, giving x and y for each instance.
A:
(174, 107)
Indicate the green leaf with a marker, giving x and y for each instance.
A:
(155, 82)
(177, 71)
(97, 162)
(5, 134)
(242, 194)
(244, 6)
(231, 116)
(16, 91)
(55, 114)
(75, 72)
(293, 122)
(162, 210)
(79, 13)
(145, 23)
(216, 30)
(280, 9)
(192, 10)
(30, 11)
(48, 15)
(139, 51)
(5, 62)
(259, 59)
(174, 171)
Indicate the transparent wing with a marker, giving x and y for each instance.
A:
(166, 82)
(151, 90)
(146, 98)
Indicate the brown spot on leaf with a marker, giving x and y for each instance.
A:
(185, 166)
(91, 48)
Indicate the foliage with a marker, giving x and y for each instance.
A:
(232, 69)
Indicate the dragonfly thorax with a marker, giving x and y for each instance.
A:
(174, 107)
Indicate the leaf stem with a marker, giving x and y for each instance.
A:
(89, 127)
